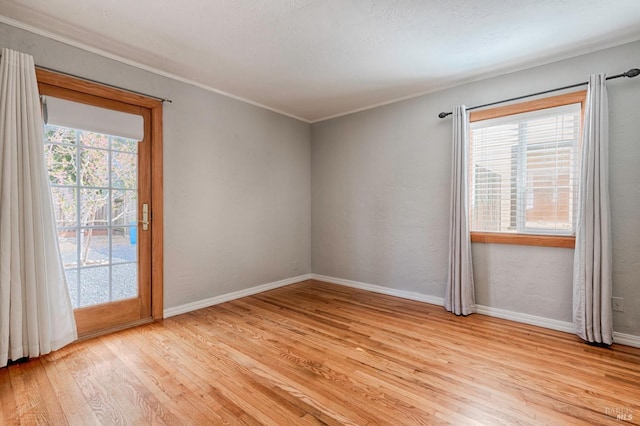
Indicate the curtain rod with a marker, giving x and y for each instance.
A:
(633, 72)
(103, 84)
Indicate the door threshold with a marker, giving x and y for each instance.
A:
(98, 333)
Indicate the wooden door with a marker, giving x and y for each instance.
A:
(103, 196)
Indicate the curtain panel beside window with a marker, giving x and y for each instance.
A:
(592, 265)
(459, 294)
(35, 310)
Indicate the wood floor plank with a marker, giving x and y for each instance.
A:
(32, 407)
(8, 404)
(314, 353)
(143, 401)
(231, 363)
(52, 408)
(329, 370)
(289, 369)
(375, 362)
(159, 382)
(67, 391)
(192, 384)
(94, 380)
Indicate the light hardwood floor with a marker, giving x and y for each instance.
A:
(317, 353)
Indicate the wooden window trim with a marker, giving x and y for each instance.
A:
(579, 97)
(91, 91)
(562, 241)
(524, 239)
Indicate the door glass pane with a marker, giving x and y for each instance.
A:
(68, 241)
(122, 144)
(95, 140)
(64, 206)
(123, 244)
(94, 180)
(94, 286)
(93, 207)
(55, 134)
(124, 208)
(61, 163)
(123, 168)
(94, 247)
(123, 278)
(72, 284)
(94, 167)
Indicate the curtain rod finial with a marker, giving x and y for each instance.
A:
(633, 72)
(444, 114)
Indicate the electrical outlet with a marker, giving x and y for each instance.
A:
(617, 304)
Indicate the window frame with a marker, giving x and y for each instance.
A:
(563, 241)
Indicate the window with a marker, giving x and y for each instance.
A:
(523, 171)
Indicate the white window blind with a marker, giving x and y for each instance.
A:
(524, 172)
(76, 115)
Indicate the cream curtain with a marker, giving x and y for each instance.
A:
(459, 295)
(592, 313)
(36, 316)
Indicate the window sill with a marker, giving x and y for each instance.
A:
(524, 239)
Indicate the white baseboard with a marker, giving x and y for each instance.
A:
(567, 327)
(188, 307)
(411, 295)
(538, 321)
(626, 339)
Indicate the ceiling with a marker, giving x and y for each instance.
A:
(315, 59)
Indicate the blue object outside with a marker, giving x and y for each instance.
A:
(133, 232)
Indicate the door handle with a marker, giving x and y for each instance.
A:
(145, 217)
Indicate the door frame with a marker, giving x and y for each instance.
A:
(52, 82)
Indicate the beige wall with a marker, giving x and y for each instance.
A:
(380, 197)
(236, 178)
